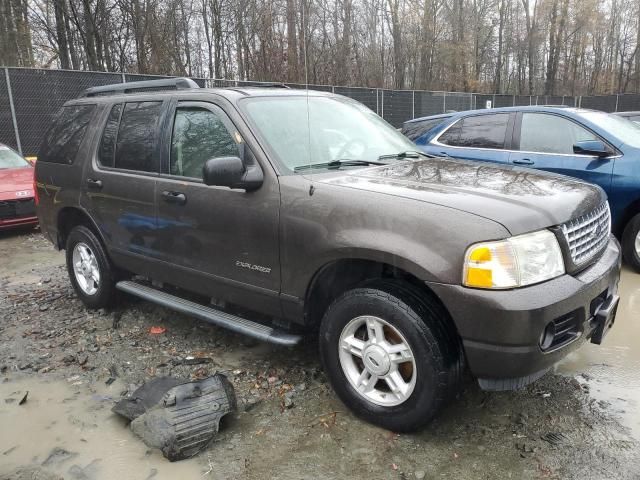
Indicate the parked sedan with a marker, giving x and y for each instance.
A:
(595, 146)
(17, 203)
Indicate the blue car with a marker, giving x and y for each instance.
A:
(594, 146)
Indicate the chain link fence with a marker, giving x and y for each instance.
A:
(30, 97)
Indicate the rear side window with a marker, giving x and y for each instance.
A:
(63, 139)
(107, 151)
(414, 130)
(136, 138)
(481, 131)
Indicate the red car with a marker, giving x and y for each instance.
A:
(17, 202)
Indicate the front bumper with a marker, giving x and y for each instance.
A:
(501, 330)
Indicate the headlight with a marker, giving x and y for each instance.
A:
(514, 262)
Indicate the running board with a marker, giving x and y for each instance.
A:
(211, 315)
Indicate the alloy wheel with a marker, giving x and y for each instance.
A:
(86, 270)
(377, 360)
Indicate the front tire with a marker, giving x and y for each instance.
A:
(390, 355)
(631, 243)
(89, 268)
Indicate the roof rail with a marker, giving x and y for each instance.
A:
(263, 85)
(180, 83)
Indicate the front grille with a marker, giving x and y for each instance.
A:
(588, 234)
(10, 209)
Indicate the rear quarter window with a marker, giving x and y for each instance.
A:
(63, 140)
(414, 130)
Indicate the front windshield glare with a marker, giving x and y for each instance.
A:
(624, 129)
(330, 129)
(10, 159)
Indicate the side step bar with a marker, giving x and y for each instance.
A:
(211, 315)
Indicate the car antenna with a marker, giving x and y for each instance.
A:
(306, 86)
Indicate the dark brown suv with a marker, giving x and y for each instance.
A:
(284, 210)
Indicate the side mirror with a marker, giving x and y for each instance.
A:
(231, 172)
(591, 147)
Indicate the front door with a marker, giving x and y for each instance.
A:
(546, 142)
(217, 241)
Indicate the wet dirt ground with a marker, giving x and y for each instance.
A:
(581, 421)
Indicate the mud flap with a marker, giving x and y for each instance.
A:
(179, 418)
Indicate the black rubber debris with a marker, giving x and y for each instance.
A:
(554, 438)
(178, 417)
(24, 399)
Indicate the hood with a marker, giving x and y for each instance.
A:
(521, 199)
(14, 180)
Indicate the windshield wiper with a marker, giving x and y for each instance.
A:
(405, 154)
(338, 163)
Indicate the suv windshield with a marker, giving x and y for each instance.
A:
(624, 129)
(332, 129)
(10, 159)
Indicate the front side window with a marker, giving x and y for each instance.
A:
(480, 131)
(62, 141)
(198, 135)
(551, 134)
(136, 139)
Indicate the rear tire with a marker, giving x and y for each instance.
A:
(404, 399)
(90, 271)
(631, 243)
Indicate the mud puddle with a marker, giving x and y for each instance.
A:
(21, 252)
(612, 370)
(70, 431)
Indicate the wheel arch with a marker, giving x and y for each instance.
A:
(69, 217)
(339, 275)
(629, 212)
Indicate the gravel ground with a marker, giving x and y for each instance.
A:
(289, 424)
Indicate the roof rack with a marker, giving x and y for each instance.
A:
(180, 83)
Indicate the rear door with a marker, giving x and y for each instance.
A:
(120, 181)
(545, 141)
(215, 240)
(485, 137)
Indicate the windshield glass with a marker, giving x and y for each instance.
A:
(10, 159)
(622, 128)
(334, 129)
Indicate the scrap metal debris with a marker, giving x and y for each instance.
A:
(176, 416)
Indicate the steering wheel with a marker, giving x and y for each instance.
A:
(347, 147)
